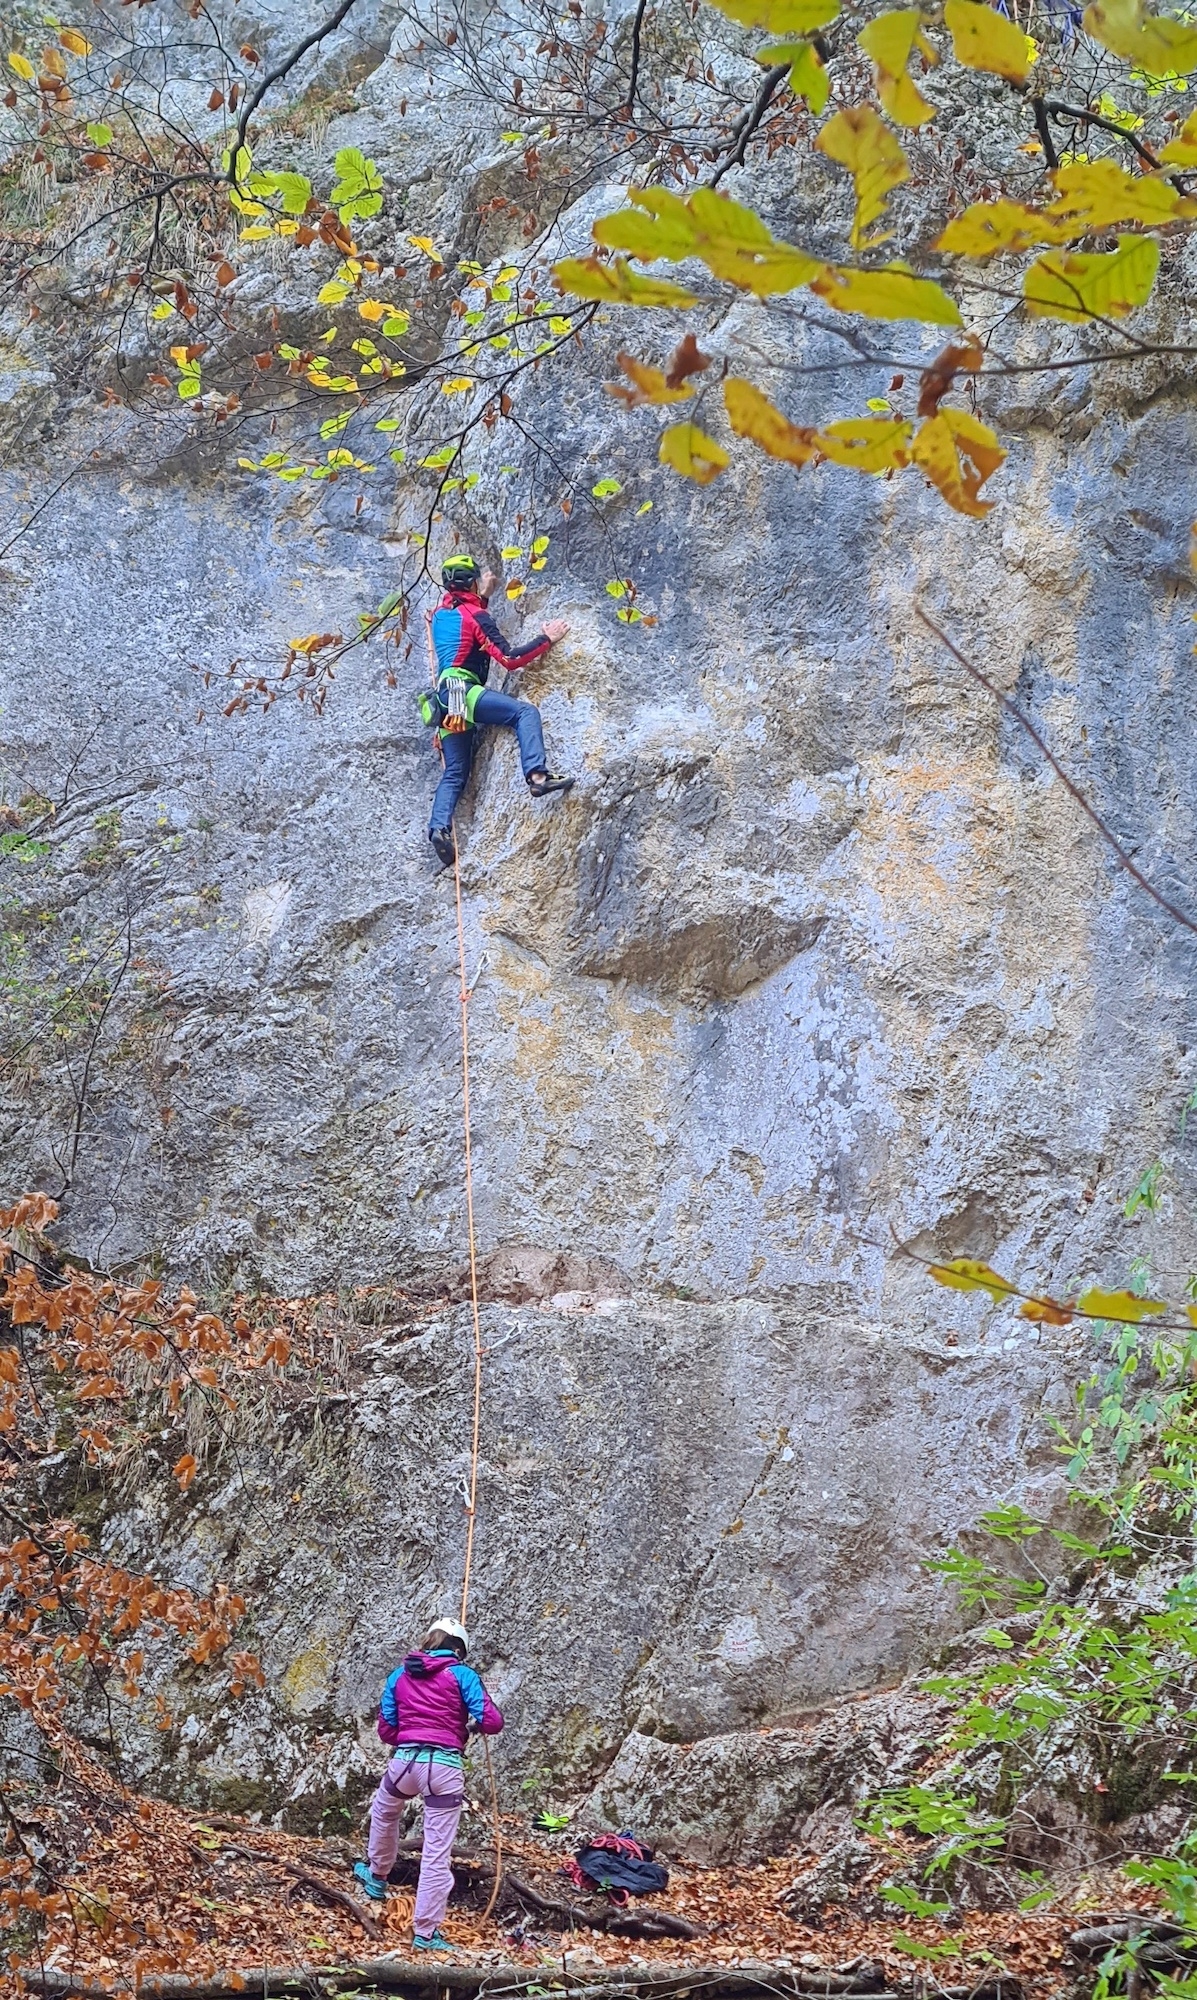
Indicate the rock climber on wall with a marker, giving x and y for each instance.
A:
(465, 640)
(428, 1707)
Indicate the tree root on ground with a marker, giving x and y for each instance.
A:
(502, 1982)
(616, 1920)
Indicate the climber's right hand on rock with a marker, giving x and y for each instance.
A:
(555, 628)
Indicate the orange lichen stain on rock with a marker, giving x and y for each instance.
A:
(570, 1056)
(935, 835)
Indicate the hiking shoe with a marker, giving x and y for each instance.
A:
(443, 845)
(544, 783)
(437, 1942)
(374, 1887)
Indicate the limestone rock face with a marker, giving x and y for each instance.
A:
(816, 955)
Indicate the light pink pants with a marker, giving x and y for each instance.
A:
(441, 1786)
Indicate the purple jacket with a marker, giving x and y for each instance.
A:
(431, 1699)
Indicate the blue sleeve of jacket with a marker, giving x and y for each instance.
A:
(387, 1706)
(471, 1689)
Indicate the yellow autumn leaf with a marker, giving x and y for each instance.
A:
(77, 44)
(1153, 42)
(891, 293)
(780, 17)
(515, 590)
(808, 78)
(992, 228)
(372, 310)
(1182, 151)
(457, 386)
(891, 40)
(426, 244)
(866, 444)
(957, 453)
(692, 453)
(984, 39)
(858, 139)
(1079, 286)
(964, 1274)
(751, 415)
(617, 284)
(22, 65)
(731, 240)
(1096, 194)
(1097, 1304)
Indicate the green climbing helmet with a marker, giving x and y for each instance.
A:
(459, 573)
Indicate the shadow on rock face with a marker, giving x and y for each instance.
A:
(682, 888)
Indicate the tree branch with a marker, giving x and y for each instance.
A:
(1060, 110)
(1024, 722)
(745, 126)
(637, 25)
(276, 75)
(1045, 134)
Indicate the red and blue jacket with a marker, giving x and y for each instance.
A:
(467, 639)
(430, 1700)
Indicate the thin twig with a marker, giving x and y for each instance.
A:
(1058, 109)
(276, 75)
(1024, 721)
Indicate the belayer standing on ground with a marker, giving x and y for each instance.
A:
(465, 640)
(428, 1708)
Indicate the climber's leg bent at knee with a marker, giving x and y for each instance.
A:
(464, 640)
(498, 711)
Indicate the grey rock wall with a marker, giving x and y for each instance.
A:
(816, 953)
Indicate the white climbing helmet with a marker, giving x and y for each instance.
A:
(451, 1630)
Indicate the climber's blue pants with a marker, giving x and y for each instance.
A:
(491, 711)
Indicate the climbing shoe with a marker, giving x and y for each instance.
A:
(442, 845)
(544, 783)
(437, 1942)
(374, 1887)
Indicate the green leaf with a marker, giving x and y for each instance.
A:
(100, 135)
(1079, 286)
(606, 489)
(540, 545)
(808, 78)
(293, 190)
(357, 190)
(891, 293)
(617, 589)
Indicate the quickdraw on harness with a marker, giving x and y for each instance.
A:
(450, 703)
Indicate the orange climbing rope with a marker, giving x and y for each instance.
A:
(472, 1501)
(476, 1422)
